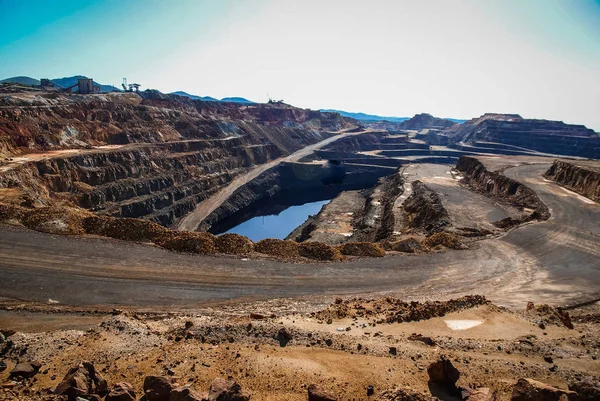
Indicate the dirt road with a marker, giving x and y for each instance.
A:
(553, 261)
(203, 209)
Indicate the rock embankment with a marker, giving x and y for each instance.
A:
(581, 177)
(424, 210)
(499, 186)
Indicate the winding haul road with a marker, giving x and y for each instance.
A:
(554, 261)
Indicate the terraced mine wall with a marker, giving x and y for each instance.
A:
(553, 137)
(577, 176)
(499, 186)
(188, 151)
(52, 121)
(300, 181)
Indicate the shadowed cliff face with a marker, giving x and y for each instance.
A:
(174, 152)
(577, 176)
(498, 185)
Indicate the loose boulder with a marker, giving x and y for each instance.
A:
(443, 373)
(316, 393)
(226, 390)
(533, 390)
(82, 380)
(121, 392)
(157, 388)
(186, 393)
(25, 369)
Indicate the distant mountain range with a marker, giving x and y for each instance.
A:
(366, 117)
(212, 99)
(373, 117)
(64, 82)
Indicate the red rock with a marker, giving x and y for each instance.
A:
(157, 388)
(82, 380)
(316, 393)
(532, 390)
(185, 393)
(226, 390)
(121, 392)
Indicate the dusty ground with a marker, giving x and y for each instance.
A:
(343, 356)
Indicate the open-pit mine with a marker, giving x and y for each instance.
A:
(174, 249)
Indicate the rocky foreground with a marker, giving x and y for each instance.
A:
(354, 349)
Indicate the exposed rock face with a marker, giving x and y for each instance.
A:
(82, 380)
(157, 388)
(587, 390)
(119, 118)
(424, 209)
(424, 120)
(316, 393)
(554, 137)
(191, 149)
(498, 185)
(532, 390)
(226, 390)
(581, 177)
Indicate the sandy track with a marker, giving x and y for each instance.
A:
(553, 261)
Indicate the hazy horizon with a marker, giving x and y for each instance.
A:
(458, 59)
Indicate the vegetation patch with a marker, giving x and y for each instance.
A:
(190, 242)
(282, 248)
(56, 220)
(320, 251)
(369, 249)
(444, 239)
(234, 244)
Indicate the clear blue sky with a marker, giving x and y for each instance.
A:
(451, 58)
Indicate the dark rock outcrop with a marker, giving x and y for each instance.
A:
(553, 137)
(424, 210)
(498, 185)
